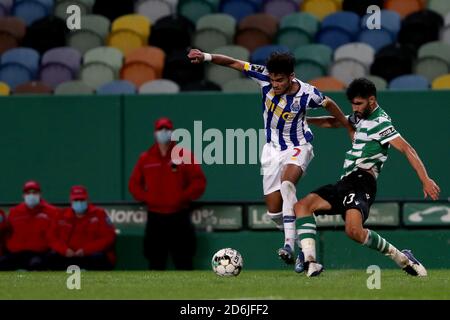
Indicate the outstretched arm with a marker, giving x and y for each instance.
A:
(324, 122)
(430, 188)
(197, 56)
(335, 111)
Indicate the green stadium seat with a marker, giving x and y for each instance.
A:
(95, 74)
(218, 21)
(431, 67)
(209, 39)
(94, 30)
(436, 49)
(297, 29)
(379, 82)
(308, 70)
(221, 75)
(195, 9)
(440, 6)
(108, 55)
(242, 85)
(316, 53)
(76, 87)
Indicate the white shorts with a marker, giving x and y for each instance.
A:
(273, 161)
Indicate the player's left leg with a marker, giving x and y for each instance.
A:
(369, 238)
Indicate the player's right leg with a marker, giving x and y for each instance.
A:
(306, 229)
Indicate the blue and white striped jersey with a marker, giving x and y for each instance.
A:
(284, 116)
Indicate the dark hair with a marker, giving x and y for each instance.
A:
(281, 63)
(361, 87)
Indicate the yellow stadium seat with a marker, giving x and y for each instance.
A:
(135, 22)
(320, 8)
(442, 82)
(4, 89)
(125, 40)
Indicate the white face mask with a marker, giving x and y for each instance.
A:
(32, 200)
(163, 136)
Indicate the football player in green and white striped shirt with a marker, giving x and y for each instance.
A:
(355, 192)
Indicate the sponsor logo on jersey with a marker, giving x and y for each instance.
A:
(257, 68)
(386, 132)
(295, 106)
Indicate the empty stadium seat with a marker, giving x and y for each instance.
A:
(409, 82)
(12, 31)
(320, 8)
(54, 74)
(280, 8)
(327, 84)
(32, 87)
(153, 9)
(116, 87)
(260, 55)
(137, 23)
(94, 30)
(242, 85)
(59, 65)
(390, 21)
(358, 51)
(379, 82)
(14, 74)
(404, 7)
(346, 70)
(159, 86)
(261, 21)
(108, 55)
(392, 61)
(447, 19)
(153, 56)
(166, 29)
(219, 74)
(4, 89)
(445, 35)
(195, 9)
(436, 49)
(252, 39)
(240, 9)
(338, 29)
(27, 57)
(297, 29)
(32, 10)
(377, 39)
(440, 6)
(138, 73)
(218, 21)
(76, 87)
(442, 82)
(95, 74)
(317, 53)
(420, 27)
(209, 39)
(360, 6)
(61, 7)
(47, 33)
(125, 40)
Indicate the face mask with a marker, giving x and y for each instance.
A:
(32, 200)
(79, 206)
(163, 136)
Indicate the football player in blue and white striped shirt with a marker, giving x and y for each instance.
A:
(288, 150)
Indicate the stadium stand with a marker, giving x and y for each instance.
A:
(195, 9)
(93, 33)
(279, 8)
(220, 75)
(393, 61)
(312, 61)
(75, 87)
(45, 34)
(320, 8)
(116, 87)
(32, 10)
(409, 82)
(33, 87)
(297, 29)
(159, 86)
(242, 85)
(338, 29)
(260, 55)
(240, 9)
(328, 84)
(153, 9)
(172, 27)
(59, 65)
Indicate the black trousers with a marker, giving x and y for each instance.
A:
(172, 234)
(96, 261)
(26, 260)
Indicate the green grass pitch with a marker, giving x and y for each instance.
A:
(332, 284)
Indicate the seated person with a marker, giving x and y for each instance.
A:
(27, 228)
(82, 235)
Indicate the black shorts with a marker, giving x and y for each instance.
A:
(355, 191)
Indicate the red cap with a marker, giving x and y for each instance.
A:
(31, 185)
(163, 123)
(78, 193)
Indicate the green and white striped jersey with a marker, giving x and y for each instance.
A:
(370, 147)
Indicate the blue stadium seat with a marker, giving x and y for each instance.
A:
(390, 21)
(377, 39)
(409, 82)
(14, 74)
(27, 57)
(31, 10)
(117, 87)
(260, 55)
(338, 29)
(240, 8)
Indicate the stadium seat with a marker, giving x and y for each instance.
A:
(113, 10)
(125, 40)
(327, 84)
(7, 41)
(153, 56)
(45, 34)
(221, 75)
(116, 87)
(94, 30)
(12, 31)
(31, 10)
(409, 82)
(173, 27)
(338, 29)
(435, 49)
(346, 70)
(137, 23)
(445, 35)
(32, 87)
(360, 6)
(159, 86)
(153, 9)
(320, 8)
(358, 51)
(420, 27)
(59, 65)
(431, 67)
(242, 85)
(14, 74)
(392, 61)
(95, 74)
(377, 39)
(260, 55)
(447, 19)
(390, 21)
(218, 21)
(297, 29)
(379, 82)
(178, 68)
(403, 7)
(280, 8)
(260, 21)
(442, 82)
(317, 53)
(76, 87)
(53, 74)
(108, 55)
(138, 73)
(440, 6)
(252, 39)
(209, 39)
(4, 89)
(62, 5)
(240, 9)
(195, 9)
(27, 57)
(200, 85)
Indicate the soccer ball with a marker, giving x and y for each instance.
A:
(227, 262)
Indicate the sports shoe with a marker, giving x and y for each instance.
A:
(286, 254)
(299, 262)
(414, 267)
(313, 268)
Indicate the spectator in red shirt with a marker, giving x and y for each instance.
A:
(28, 223)
(82, 235)
(167, 186)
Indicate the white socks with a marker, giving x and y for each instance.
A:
(288, 192)
(277, 218)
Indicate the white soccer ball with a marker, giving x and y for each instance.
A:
(227, 262)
